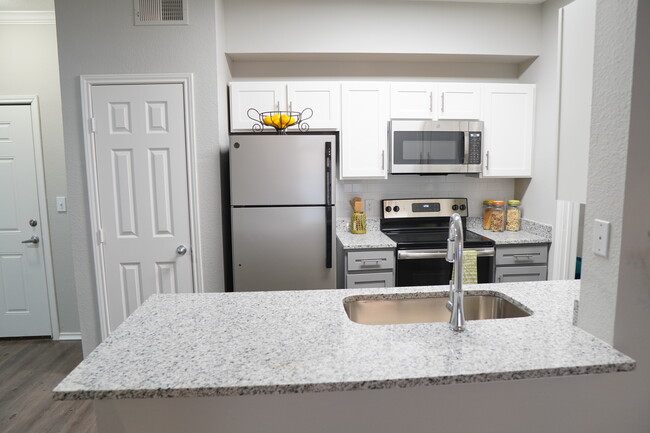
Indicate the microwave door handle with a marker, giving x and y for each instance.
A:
(466, 157)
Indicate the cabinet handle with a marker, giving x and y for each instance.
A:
(383, 160)
(431, 102)
(382, 259)
(523, 256)
(500, 278)
(277, 105)
(487, 160)
(442, 105)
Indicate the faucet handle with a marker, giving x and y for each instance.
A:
(451, 250)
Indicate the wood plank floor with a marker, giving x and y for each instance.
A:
(29, 370)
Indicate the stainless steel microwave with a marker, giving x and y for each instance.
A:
(430, 147)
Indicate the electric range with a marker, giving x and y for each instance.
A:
(420, 228)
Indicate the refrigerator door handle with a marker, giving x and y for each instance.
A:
(328, 173)
(328, 204)
(328, 234)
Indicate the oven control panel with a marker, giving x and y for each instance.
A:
(424, 207)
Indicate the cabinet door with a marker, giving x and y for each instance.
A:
(322, 97)
(371, 279)
(513, 274)
(508, 111)
(364, 130)
(262, 96)
(413, 101)
(459, 101)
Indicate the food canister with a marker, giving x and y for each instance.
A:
(513, 216)
(487, 211)
(358, 223)
(498, 216)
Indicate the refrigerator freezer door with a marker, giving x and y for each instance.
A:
(282, 248)
(280, 169)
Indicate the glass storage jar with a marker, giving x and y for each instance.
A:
(487, 211)
(513, 216)
(498, 216)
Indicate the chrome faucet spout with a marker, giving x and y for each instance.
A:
(455, 255)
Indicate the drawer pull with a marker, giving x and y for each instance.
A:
(376, 261)
(524, 256)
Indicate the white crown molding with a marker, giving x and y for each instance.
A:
(27, 17)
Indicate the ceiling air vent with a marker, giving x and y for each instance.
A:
(160, 12)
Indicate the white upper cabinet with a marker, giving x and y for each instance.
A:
(413, 101)
(459, 101)
(262, 96)
(508, 113)
(364, 130)
(324, 98)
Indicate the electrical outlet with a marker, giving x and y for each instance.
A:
(369, 206)
(601, 237)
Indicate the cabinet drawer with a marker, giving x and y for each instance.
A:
(521, 255)
(513, 274)
(372, 279)
(370, 260)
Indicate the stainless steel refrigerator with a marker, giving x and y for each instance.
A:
(282, 195)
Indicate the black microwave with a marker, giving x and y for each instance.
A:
(435, 147)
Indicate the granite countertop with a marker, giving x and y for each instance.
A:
(371, 239)
(531, 232)
(224, 344)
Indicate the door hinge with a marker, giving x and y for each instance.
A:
(100, 236)
(92, 125)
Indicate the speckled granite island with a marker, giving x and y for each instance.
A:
(282, 353)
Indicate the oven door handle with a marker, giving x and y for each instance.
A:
(438, 254)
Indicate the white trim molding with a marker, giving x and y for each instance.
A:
(87, 82)
(70, 336)
(27, 17)
(565, 240)
(32, 101)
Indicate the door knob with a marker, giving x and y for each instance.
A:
(32, 240)
(181, 250)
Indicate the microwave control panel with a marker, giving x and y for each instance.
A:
(474, 148)
(424, 207)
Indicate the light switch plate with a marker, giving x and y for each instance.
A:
(60, 204)
(601, 237)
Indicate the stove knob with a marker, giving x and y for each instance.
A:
(463, 207)
(454, 207)
(396, 208)
(388, 209)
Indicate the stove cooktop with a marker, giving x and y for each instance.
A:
(435, 239)
(423, 223)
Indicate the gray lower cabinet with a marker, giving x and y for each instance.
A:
(368, 268)
(516, 263)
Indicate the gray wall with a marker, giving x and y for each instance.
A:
(608, 157)
(30, 67)
(100, 38)
(365, 26)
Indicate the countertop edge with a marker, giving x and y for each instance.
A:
(347, 386)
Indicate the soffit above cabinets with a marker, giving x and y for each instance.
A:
(379, 57)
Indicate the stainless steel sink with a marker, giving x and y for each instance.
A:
(422, 308)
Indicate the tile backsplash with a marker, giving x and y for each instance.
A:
(372, 191)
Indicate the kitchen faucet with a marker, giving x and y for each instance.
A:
(455, 255)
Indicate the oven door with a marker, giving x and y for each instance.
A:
(430, 268)
(428, 147)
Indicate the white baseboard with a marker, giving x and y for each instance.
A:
(70, 336)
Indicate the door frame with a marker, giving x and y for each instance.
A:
(32, 101)
(87, 83)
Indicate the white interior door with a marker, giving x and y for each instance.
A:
(142, 182)
(24, 306)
